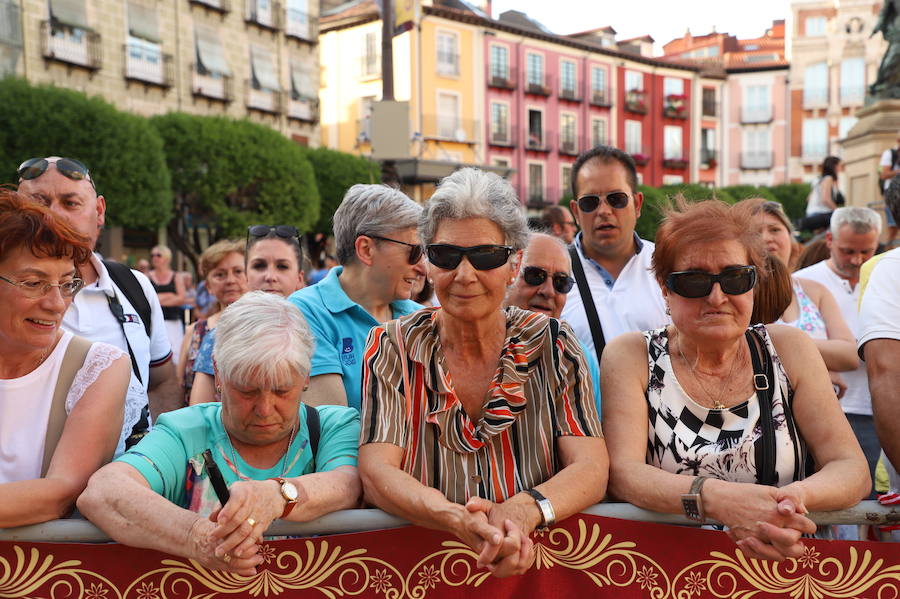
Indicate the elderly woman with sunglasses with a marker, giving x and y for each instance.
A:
(731, 411)
(61, 397)
(273, 263)
(479, 421)
(380, 260)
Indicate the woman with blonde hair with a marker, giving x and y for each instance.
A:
(170, 289)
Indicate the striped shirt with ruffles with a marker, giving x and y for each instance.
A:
(542, 390)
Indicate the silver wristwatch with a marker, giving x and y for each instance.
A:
(548, 516)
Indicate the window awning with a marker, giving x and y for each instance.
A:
(301, 80)
(264, 69)
(69, 12)
(210, 52)
(143, 21)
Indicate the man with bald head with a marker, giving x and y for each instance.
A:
(102, 311)
(543, 282)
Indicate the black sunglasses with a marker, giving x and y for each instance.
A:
(590, 202)
(481, 257)
(68, 167)
(415, 249)
(734, 280)
(283, 231)
(535, 276)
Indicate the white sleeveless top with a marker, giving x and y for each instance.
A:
(25, 407)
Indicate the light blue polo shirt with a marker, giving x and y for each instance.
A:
(340, 327)
(594, 369)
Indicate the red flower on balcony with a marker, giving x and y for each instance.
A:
(640, 159)
(675, 105)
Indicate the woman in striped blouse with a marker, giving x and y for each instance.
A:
(477, 420)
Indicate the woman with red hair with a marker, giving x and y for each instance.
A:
(61, 397)
(731, 411)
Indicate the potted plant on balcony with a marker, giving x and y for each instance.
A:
(675, 106)
(635, 100)
(678, 163)
(640, 159)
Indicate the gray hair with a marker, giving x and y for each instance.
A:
(376, 210)
(860, 219)
(892, 198)
(262, 340)
(535, 235)
(473, 193)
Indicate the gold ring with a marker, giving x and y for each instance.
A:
(226, 558)
(251, 521)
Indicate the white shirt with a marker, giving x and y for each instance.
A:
(886, 161)
(633, 303)
(879, 310)
(857, 399)
(89, 316)
(25, 407)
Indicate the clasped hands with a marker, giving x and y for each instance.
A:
(230, 539)
(500, 532)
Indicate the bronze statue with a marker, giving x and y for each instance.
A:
(887, 85)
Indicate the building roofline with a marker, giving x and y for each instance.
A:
(785, 65)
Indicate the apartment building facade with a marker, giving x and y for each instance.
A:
(255, 59)
(833, 60)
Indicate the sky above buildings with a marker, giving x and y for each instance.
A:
(662, 19)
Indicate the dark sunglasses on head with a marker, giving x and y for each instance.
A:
(481, 257)
(68, 167)
(734, 280)
(415, 249)
(535, 276)
(283, 231)
(590, 202)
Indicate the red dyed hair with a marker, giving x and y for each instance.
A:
(711, 221)
(25, 223)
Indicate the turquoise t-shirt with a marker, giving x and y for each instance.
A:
(170, 457)
(340, 327)
(594, 369)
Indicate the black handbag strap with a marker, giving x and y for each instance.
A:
(312, 427)
(587, 300)
(764, 383)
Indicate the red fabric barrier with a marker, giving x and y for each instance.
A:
(585, 556)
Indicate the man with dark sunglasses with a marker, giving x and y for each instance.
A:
(614, 292)
(102, 310)
(543, 284)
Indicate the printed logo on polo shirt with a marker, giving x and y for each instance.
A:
(132, 318)
(348, 358)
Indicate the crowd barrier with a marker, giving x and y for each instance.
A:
(609, 550)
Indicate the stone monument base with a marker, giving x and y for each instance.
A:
(875, 132)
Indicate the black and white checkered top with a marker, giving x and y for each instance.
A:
(687, 438)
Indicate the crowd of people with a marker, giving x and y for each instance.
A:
(452, 368)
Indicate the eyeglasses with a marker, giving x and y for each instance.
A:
(68, 167)
(36, 288)
(415, 249)
(481, 257)
(534, 276)
(590, 202)
(734, 280)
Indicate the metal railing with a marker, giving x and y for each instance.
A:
(222, 6)
(677, 162)
(349, 521)
(507, 81)
(675, 106)
(303, 108)
(266, 15)
(756, 114)
(757, 160)
(708, 156)
(601, 97)
(636, 101)
(505, 137)
(538, 141)
(569, 93)
(261, 99)
(303, 27)
(155, 68)
(448, 128)
(569, 144)
(640, 155)
(541, 86)
(212, 87)
(71, 45)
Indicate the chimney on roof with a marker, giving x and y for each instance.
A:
(687, 35)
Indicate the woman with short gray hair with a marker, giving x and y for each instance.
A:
(380, 259)
(479, 421)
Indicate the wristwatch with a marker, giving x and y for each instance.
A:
(548, 516)
(692, 502)
(290, 494)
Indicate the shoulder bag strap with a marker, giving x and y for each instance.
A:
(313, 429)
(129, 285)
(590, 309)
(72, 362)
(763, 381)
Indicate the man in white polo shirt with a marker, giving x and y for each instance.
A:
(852, 239)
(101, 311)
(615, 262)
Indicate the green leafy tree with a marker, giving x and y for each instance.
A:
(335, 173)
(123, 152)
(651, 212)
(228, 174)
(695, 192)
(793, 197)
(742, 192)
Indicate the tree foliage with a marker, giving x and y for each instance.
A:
(743, 192)
(228, 174)
(793, 197)
(335, 173)
(123, 152)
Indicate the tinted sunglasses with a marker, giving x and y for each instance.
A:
(68, 167)
(534, 276)
(415, 249)
(590, 202)
(283, 231)
(481, 257)
(734, 280)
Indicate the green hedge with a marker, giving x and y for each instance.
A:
(335, 173)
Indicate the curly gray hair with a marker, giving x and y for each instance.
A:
(473, 193)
